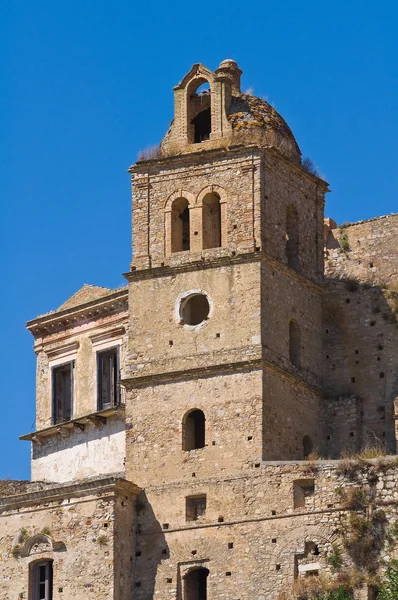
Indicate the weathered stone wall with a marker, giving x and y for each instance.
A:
(366, 250)
(235, 175)
(343, 426)
(87, 531)
(285, 296)
(160, 343)
(291, 411)
(253, 539)
(232, 404)
(360, 325)
(286, 185)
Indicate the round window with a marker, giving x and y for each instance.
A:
(194, 309)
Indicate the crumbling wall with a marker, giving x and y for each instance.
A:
(86, 529)
(360, 322)
(253, 539)
(366, 250)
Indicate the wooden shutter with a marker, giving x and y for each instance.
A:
(107, 378)
(62, 387)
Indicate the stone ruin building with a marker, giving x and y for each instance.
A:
(211, 431)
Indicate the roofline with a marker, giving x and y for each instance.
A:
(55, 491)
(377, 218)
(55, 316)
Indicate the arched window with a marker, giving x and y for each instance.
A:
(180, 235)
(199, 111)
(292, 238)
(41, 575)
(193, 430)
(195, 584)
(307, 446)
(294, 344)
(211, 221)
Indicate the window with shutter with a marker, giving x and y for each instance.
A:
(42, 581)
(108, 378)
(62, 392)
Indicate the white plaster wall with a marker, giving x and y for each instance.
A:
(92, 452)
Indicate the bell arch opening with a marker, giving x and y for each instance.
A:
(180, 226)
(211, 221)
(199, 111)
(195, 584)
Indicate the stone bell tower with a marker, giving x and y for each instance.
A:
(225, 350)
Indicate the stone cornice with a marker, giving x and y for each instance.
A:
(162, 377)
(195, 265)
(256, 364)
(144, 165)
(77, 489)
(117, 301)
(220, 261)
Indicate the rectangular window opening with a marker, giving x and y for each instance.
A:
(303, 492)
(195, 507)
(42, 581)
(62, 392)
(108, 379)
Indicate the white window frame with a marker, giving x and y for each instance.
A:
(48, 564)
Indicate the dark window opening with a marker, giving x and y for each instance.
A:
(195, 507)
(307, 446)
(108, 378)
(292, 238)
(195, 584)
(303, 491)
(180, 228)
(294, 344)
(42, 581)
(311, 549)
(211, 221)
(184, 216)
(194, 430)
(62, 392)
(194, 309)
(202, 126)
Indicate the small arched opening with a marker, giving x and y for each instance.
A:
(199, 111)
(180, 230)
(294, 344)
(307, 446)
(193, 435)
(195, 584)
(292, 238)
(211, 221)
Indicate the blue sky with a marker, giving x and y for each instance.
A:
(85, 85)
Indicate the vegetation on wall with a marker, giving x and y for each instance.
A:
(389, 586)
